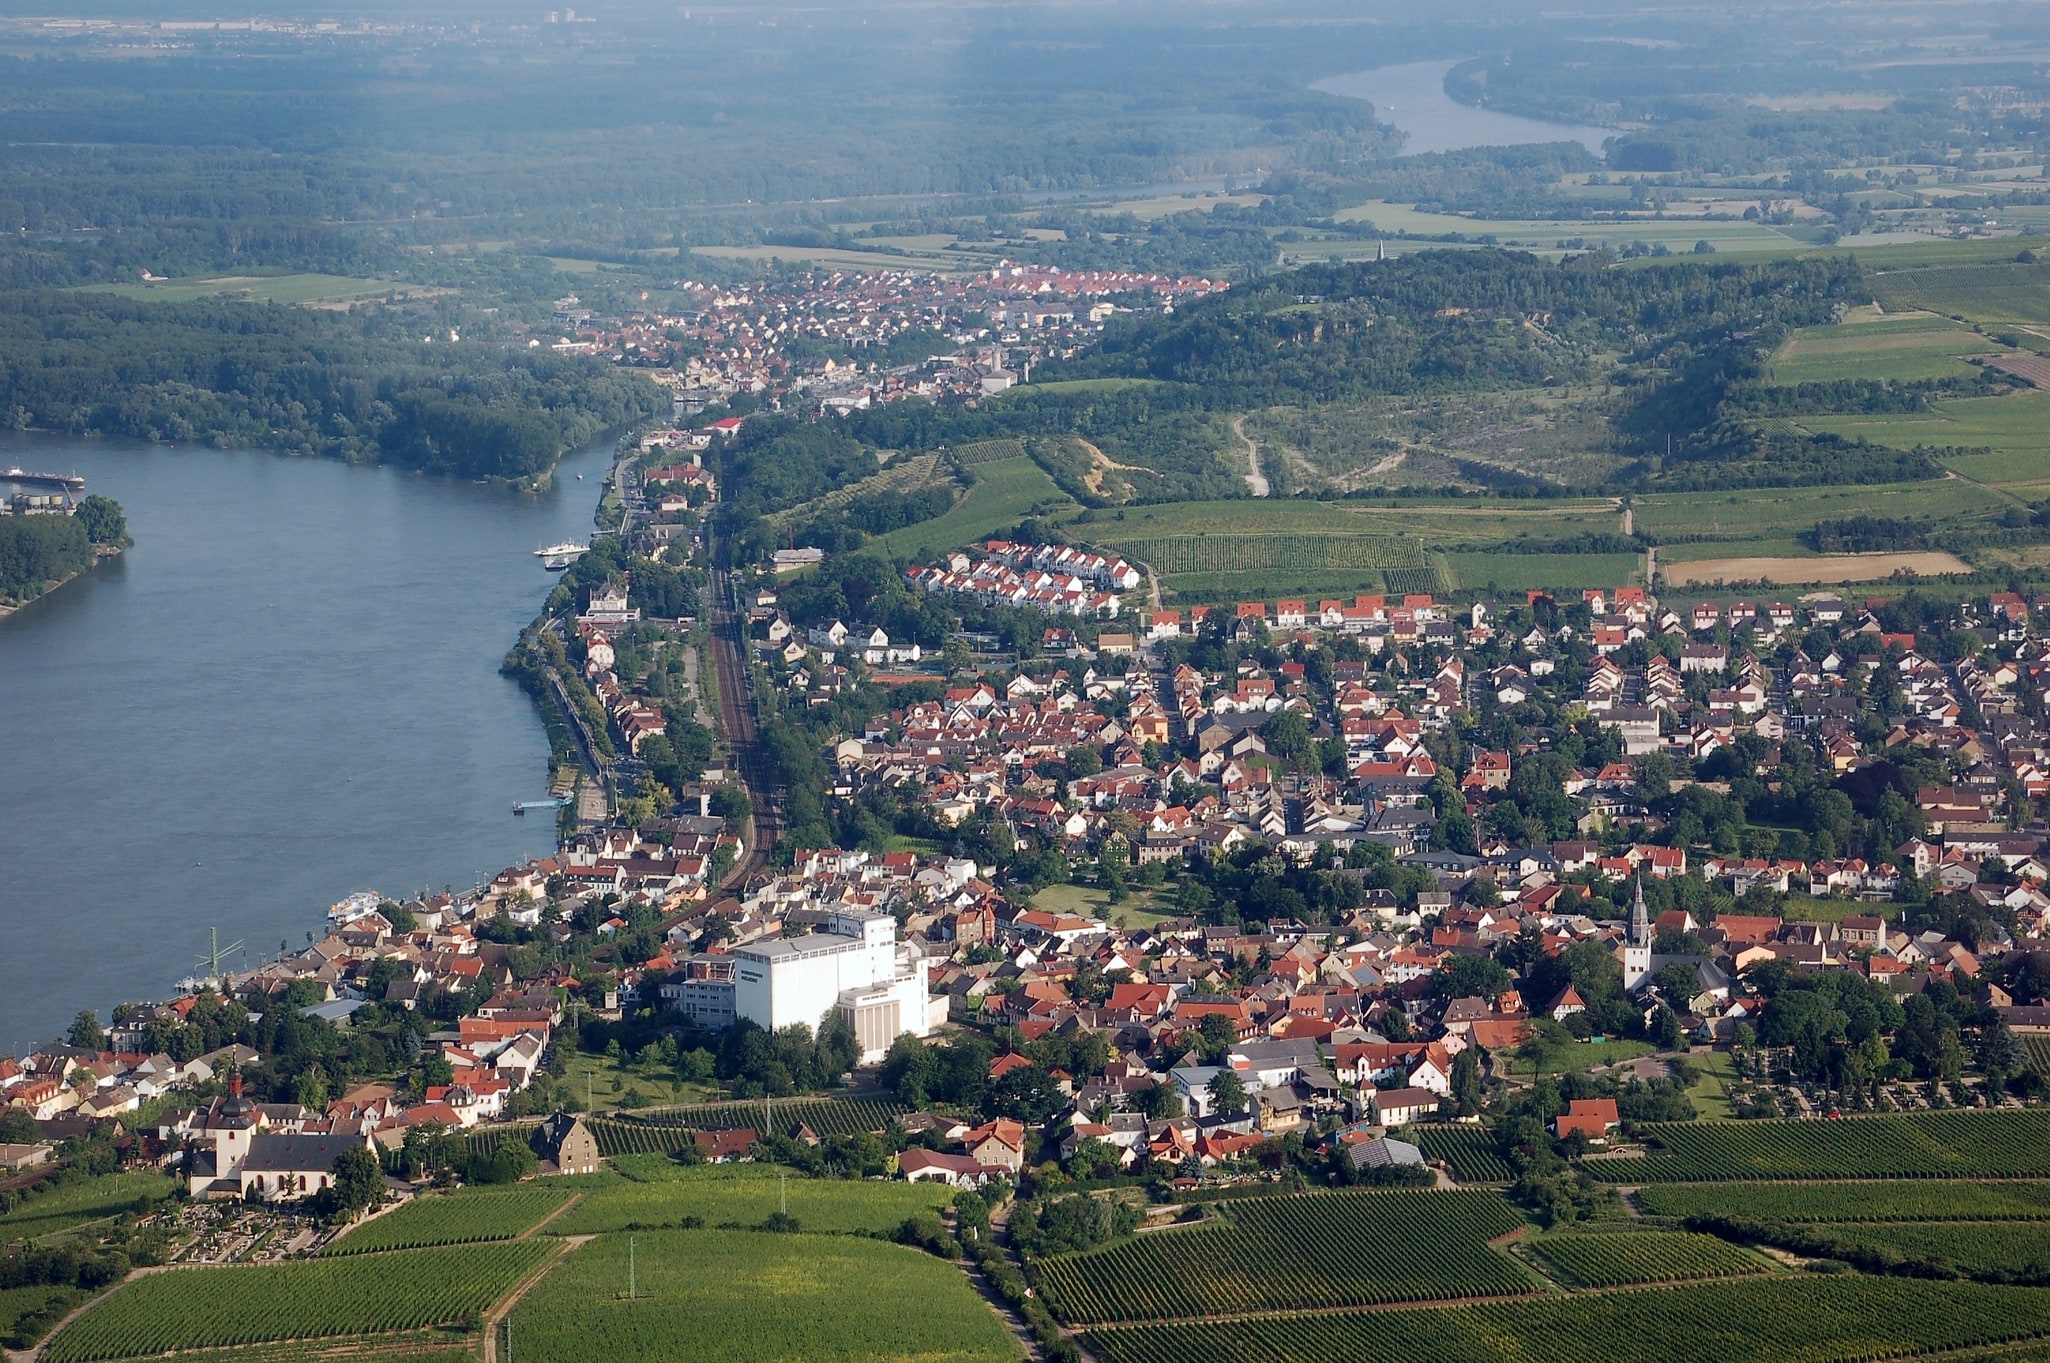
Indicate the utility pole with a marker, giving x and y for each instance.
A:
(632, 1274)
(508, 1338)
(784, 1179)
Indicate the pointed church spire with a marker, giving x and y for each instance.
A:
(1640, 923)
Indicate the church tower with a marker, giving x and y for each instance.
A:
(1637, 947)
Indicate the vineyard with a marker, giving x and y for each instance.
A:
(907, 474)
(70, 1205)
(1914, 1145)
(1837, 1202)
(748, 1194)
(220, 1308)
(825, 1116)
(1631, 1258)
(1190, 555)
(1972, 1247)
(1287, 1253)
(454, 1219)
(1468, 1151)
(737, 1297)
(988, 452)
(2037, 1048)
(1843, 1319)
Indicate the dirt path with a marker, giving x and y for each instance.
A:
(489, 1329)
(1255, 479)
(1100, 464)
(535, 1229)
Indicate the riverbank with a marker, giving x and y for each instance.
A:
(101, 553)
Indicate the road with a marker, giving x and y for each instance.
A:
(1255, 479)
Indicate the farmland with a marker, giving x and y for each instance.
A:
(1819, 568)
(2012, 433)
(662, 1194)
(737, 1295)
(1919, 1145)
(1844, 1202)
(1467, 1150)
(1006, 491)
(2018, 1247)
(1630, 1258)
(1918, 346)
(1990, 291)
(69, 1206)
(826, 1116)
(312, 290)
(1286, 1253)
(455, 1219)
(1772, 1319)
(352, 1295)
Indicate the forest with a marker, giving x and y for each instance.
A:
(356, 386)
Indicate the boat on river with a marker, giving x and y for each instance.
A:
(556, 557)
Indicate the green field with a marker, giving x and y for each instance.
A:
(737, 1297)
(1900, 349)
(314, 289)
(218, 1308)
(610, 1083)
(1775, 1319)
(1765, 513)
(1918, 1145)
(1005, 492)
(1630, 1258)
(455, 1219)
(1677, 234)
(71, 1205)
(1987, 290)
(1299, 1252)
(660, 1193)
(2014, 430)
(1833, 1202)
(1472, 572)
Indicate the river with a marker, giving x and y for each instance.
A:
(286, 690)
(1412, 97)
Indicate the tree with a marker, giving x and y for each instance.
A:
(1466, 1082)
(358, 1181)
(1287, 735)
(1227, 1093)
(85, 1031)
(102, 520)
(17, 1127)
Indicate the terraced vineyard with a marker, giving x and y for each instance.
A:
(1912, 1145)
(826, 1116)
(1289, 1253)
(221, 1308)
(1629, 1258)
(1844, 1319)
(1851, 1202)
(1468, 1151)
(454, 1219)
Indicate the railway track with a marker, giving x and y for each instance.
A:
(737, 727)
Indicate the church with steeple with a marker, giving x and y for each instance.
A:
(1637, 946)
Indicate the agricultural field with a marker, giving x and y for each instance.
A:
(455, 1219)
(2020, 1247)
(1917, 346)
(1767, 1319)
(622, 1083)
(826, 1116)
(987, 452)
(1633, 1258)
(1676, 234)
(428, 1345)
(69, 1206)
(1813, 569)
(742, 1297)
(1986, 291)
(219, 1308)
(1468, 1151)
(1946, 1145)
(1850, 1202)
(1294, 1253)
(905, 474)
(663, 1194)
(1006, 491)
(1763, 513)
(1473, 572)
(312, 290)
(2012, 431)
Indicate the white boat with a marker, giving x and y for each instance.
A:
(354, 906)
(556, 557)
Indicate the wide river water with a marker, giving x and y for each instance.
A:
(1412, 97)
(286, 691)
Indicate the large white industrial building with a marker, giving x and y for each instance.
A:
(854, 966)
